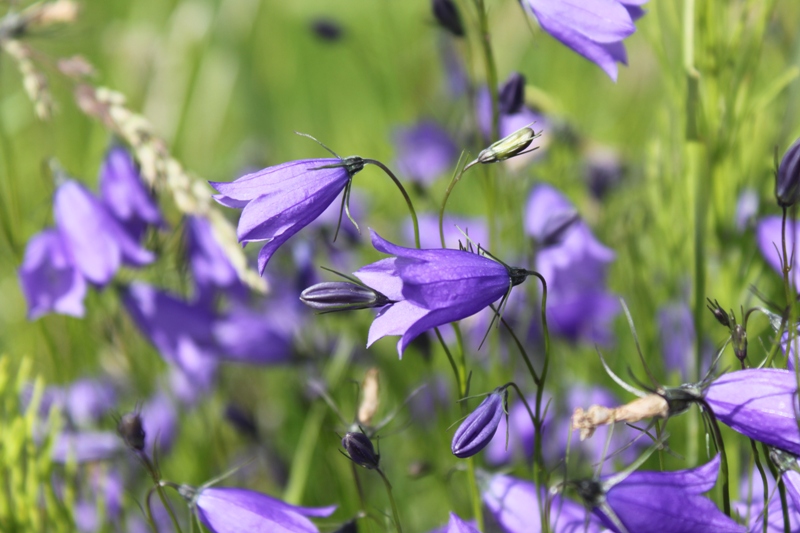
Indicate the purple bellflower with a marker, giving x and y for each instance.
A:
(432, 287)
(514, 506)
(279, 201)
(425, 151)
(768, 236)
(211, 268)
(125, 195)
(759, 403)
(658, 502)
(477, 430)
(232, 510)
(594, 29)
(50, 280)
(98, 242)
(258, 337)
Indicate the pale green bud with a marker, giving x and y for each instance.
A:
(509, 146)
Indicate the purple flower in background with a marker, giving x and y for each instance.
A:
(659, 502)
(455, 228)
(432, 287)
(574, 263)
(594, 29)
(49, 278)
(87, 400)
(759, 403)
(211, 268)
(787, 179)
(98, 242)
(86, 446)
(746, 209)
(479, 427)
(254, 337)
(514, 505)
(231, 510)
(457, 525)
(425, 151)
(106, 486)
(124, 193)
(279, 201)
(676, 332)
(768, 236)
(159, 422)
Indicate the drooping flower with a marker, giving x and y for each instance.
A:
(281, 200)
(659, 502)
(514, 505)
(760, 403)
(594, 29)
(50, 280)
(425, 151)
(432, 287)
(124, 193)
(787, 179)
(99, 244)
(232, 510)
(479, 427)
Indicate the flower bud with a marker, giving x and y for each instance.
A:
(508, 147)
(479, 427)
(721, 316)
(787, 179)
(360, 449)
(341, 296)
(131, 429)
(512, 94)
(448, 17)
(739, 338)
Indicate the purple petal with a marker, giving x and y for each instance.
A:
(382, 276)
(160, 422)
(759, 403)
(86, 446)
(88, 400)
(548, 214)
(395, 319)
(456, 525)
(768, 236)
(272, 179)
(601, 21)
(248, 336)
(425, 151)
(49, 278)
(211, 268)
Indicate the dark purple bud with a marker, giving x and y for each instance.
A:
(787, 179)
(720, 314)
(348, 527)
(360, 449)
(739, 339)
(448, 17)
(512, 94)
(131, 429)
(480, 426)
(341, 296)
(327, 29)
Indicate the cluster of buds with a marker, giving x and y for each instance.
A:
(738, 331)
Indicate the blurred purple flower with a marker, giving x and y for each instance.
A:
(455, 227)
(281, 200)
(254, 337)
(759, 403)
(479, 427)
(676, 332)
(212, 270)
(86, 446)
(50, 280)
(125, 195)
(603, 170)
(574, 263)
(457, 525)
(87, 400)
(231, 510)
(594, 29)
(660, 502)
(746, 209)
(425, 151)
(432, 287)
(106, 486)
(181, 331)
(768, 236)
(98, 242)
(160, 423)
(514, 505)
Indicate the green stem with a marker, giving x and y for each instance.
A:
(395, 514)
(410, 205)
(450, 186)
(764, 483)
(491, 69)
(538, 455)
(726, 492)
(784, 505)
(520, 346)
(151, 469)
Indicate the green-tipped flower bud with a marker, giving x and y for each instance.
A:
(509, 146)
(341, 296)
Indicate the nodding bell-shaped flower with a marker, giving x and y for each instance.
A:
(233, 510)
(509, 146)
(360, 450)
(787, 178)
(333, 296)
(760, 403)
(658, 502)
(279, 201)
(477, 430)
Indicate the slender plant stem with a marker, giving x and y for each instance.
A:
(153, 471)
(395, 514)
(491, 69)
(538, 456)
(523, 352)
(764, 483)
(784, 505)
(726, 492)
(455, 179)
(410, 205)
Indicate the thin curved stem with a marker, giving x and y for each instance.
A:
(450, 186)
(764, 483)
(726, 492)
(407, 198)
(159, 488)
(395, 513)
(519, 345)
(491, 68)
